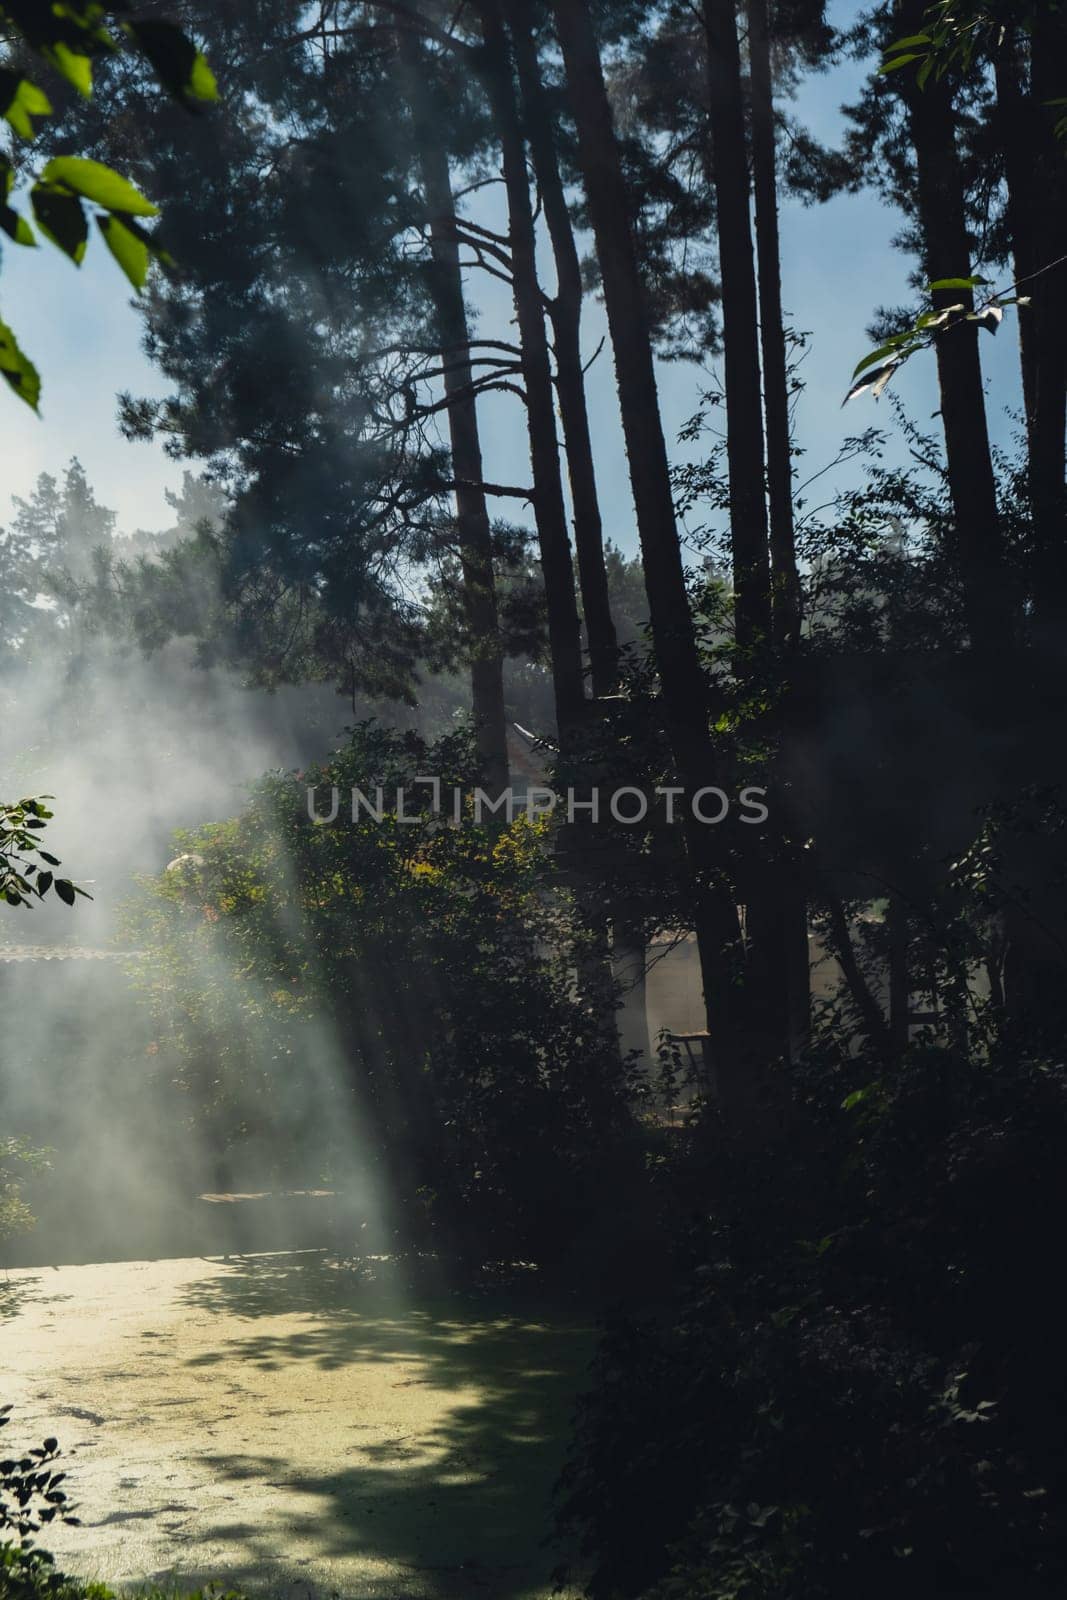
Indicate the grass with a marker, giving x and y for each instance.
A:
(32, 1575)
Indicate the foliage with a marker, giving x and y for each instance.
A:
(30, 1495)
(881, 364)
(69, 38)
(428, 965)
(17, 1159)
(21, 825)
(956, 33)
(29, 1574)
(835, 1399)
(33, 1575)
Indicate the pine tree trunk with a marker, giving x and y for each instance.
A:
(564, 628)
(472, 515)
(744, 415)
(1013, 115)
(787, 910)
(767, 978)
(683, 687)
(1048, 156)
(946, 252)
(785, 581)
(566, 313)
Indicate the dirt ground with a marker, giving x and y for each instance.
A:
(300, 1428)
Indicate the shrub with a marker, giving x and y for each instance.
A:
(856, 1386)
(426, 971)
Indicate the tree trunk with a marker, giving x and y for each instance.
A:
(865, 1002)
(1049, 290)
(785, 581)
(472, 516)
(566, 313)
(1016, 137)
(628, 962)
(744, 416)
(946, 252)
(684, 692)
(564, 628)
(899, 977)
(768, 925)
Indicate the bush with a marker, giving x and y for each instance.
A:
(32, 1575)
(413, 981)
(856, 1386)
(18, 1160)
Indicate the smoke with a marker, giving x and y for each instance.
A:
(134, 747)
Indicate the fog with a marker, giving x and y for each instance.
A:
(134, 746)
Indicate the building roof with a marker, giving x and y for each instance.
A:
(60, 952)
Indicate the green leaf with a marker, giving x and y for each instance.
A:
(16, 227)
(178, 64)
(898, 61)
(21, 100)
(889, 348)
(938, 319)
(906, 44)
(100, 184)
(60, 218)
(131, 253)
(202, 81)
(72, 64)
(19, 370)
(65, 890)
(956, 283)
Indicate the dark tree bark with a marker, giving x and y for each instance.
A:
(786, 910)
(1016, 135)
(769, 927)
(785, 581)
(473, 528)
(683, 687)
(946, 251)
(564, 628)
(865, 1002)
(899, 977)
(744, 416)
(1048, 419)
(565, 311)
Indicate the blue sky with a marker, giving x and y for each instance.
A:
(82, 331)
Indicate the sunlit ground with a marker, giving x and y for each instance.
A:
(279, 1422)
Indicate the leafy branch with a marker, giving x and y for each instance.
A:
(22, 877)
(71, 189)
(29, 1490)
(876, 369)
(952, 37)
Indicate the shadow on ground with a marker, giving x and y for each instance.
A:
(462, 1503)
(17, 1293)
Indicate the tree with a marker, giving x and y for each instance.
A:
(785, 596)
(684, 689)
(565, 311)
(472, 513)
(946, 254)
(744, 418)
(1023, 45)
